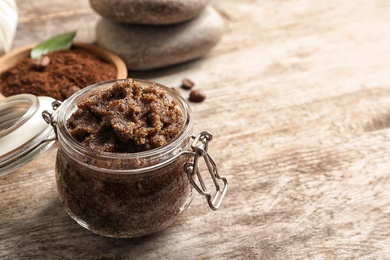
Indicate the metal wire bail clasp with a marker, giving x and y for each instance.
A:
(199, 147)
(48, 116)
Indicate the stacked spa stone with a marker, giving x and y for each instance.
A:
(149, 34)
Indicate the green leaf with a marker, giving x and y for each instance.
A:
(56, 43)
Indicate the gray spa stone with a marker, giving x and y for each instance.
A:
(149, 11)
(145, 47)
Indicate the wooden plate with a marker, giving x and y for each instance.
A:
(12, 58)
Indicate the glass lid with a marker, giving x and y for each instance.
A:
(23, 131)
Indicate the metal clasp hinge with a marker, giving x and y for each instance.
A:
(199, 148)
(49, 119)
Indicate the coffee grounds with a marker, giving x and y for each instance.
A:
(67, 70)
(127, 117)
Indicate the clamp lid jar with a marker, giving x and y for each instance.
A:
(130, 194)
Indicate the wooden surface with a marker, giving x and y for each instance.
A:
(299, 105)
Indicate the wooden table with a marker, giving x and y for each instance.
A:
(299, 105)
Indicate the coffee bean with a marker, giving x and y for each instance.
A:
(187, 84)
(40, 63)
(197, 96)
(45, 61)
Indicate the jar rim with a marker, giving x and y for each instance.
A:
(63, 115)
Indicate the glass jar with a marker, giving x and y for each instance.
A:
(131, 194)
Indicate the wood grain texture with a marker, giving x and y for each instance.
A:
(299, 105)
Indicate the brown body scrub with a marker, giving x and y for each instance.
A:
(119, 205)
(125, 119)
(128, 117)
